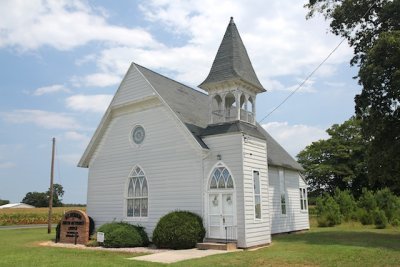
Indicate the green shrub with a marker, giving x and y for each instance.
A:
(92, 243)
(366, 218)
(346, 203)
(91, 226)
(388, 202)
(328, 211)
(58, 230)
(395, 222)
(121, 234)
(380, 219)
(179, 230)
(367, 201)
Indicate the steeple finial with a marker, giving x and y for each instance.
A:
(231, 21)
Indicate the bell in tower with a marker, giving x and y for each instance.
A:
(232, 84)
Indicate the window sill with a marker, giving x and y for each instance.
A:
(136, 219)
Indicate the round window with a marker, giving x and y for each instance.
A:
(138, 134)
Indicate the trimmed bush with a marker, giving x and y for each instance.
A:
(328, 211)
(121, 234)
(380, 219)
(179, 230)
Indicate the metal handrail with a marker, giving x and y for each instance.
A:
(230, 233)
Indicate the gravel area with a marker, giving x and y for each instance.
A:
(132, 250)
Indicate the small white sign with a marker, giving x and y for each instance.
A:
(100, 237)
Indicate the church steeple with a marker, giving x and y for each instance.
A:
(232, 84)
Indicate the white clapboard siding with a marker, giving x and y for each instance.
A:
(134, 86)
(257, 232)
(294, 219)
(229, 147)
(172, 166)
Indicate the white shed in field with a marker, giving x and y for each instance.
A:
(16, 206)
(163, 146)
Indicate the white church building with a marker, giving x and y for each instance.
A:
(162, 146)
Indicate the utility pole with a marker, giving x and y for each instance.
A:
(51, 187)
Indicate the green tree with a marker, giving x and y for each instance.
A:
(372, 28)
(389, 203)
(58, 193)
(37, 199)
(346, 202)
(378, 106)
(338, 162)
(328, 211)
(41, 199)
(4, 202)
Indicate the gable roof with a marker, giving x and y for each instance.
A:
(232, 61)
(191, 107)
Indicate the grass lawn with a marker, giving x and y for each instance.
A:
(346, 245)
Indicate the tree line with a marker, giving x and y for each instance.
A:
(41, 199)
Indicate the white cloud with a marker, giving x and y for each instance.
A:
(7, 165)
(81, 139)
(335, 84)
(71, 159)
(62, 24)
(294, 138)
(45, 119)
(51, 89)
(279, 40)
(97, 80)
(90, 103)
(75, 136)
(307, 86)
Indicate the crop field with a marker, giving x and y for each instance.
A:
(32, 216)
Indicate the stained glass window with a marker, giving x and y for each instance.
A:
(137, 197)
(221, 179)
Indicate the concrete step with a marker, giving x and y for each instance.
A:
(217, 246)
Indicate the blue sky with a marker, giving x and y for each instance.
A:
(62, 61)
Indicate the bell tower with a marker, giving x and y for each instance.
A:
(232, 85)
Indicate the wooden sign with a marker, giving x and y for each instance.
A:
(74, 227)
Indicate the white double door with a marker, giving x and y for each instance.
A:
(221, 215)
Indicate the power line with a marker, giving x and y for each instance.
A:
(312, 73)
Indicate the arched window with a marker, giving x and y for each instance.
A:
(250, 104)
(216, 103)
(242, 101)
(221, 179)
(230, 107)
(137, 195)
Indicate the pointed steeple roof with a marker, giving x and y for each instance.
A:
(232, 62)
